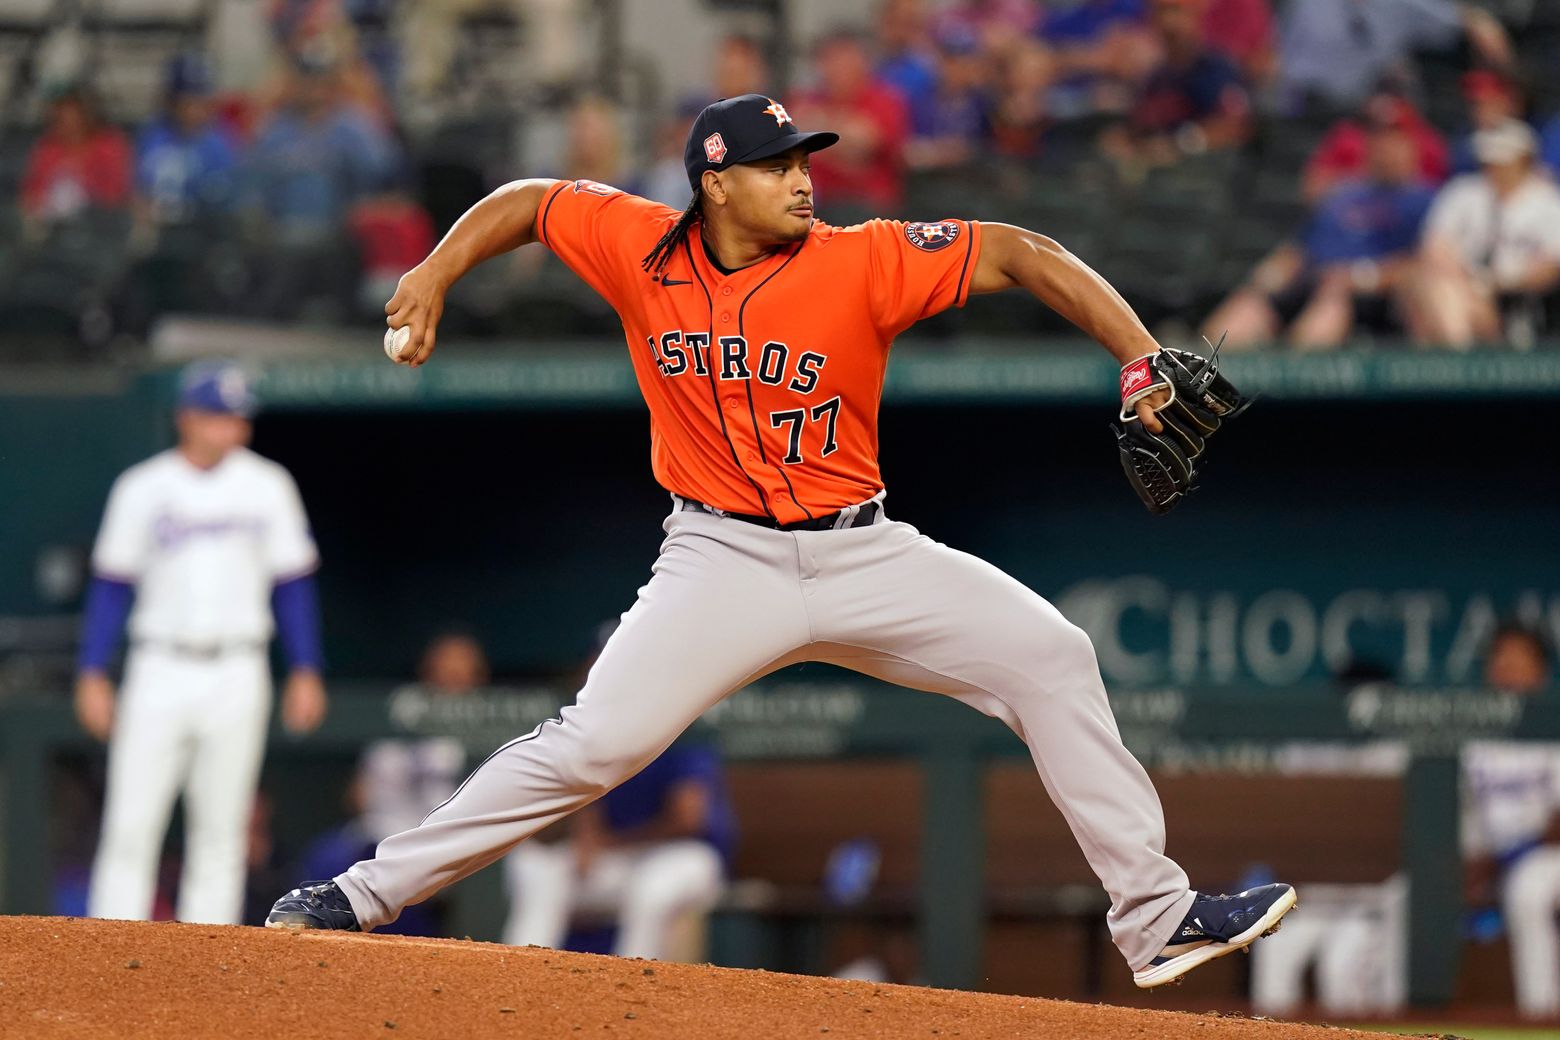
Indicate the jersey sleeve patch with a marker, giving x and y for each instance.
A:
(595, 188)
(932, 236)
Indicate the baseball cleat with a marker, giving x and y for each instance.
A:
(1215, 926)
(314, 904)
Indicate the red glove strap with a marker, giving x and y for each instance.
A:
(1136, 375)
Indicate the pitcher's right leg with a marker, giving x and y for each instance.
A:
(722, 608)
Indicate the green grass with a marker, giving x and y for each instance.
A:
(1471, 1032)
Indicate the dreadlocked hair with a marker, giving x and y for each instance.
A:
(655, 262)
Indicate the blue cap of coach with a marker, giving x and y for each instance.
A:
(744, 129)
(221, 387)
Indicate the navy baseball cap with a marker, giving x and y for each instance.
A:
(220, 387)
(744, 129)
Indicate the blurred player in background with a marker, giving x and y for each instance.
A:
(1352, 941)
(401, 780)
(1511, 826)
(398, 781)
(650, 854)
(206, 541)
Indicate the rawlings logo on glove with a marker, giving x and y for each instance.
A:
(1136, 375)
(1162, 467)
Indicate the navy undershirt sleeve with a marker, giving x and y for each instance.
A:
(103, 621)
(296, 606)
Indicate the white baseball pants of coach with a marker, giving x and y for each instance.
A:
(729, 602)
(192, 725)
(646, 888)
(1530, 898)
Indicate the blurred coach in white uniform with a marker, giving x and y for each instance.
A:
(206, 542)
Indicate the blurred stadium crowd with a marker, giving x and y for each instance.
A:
(1297, 172)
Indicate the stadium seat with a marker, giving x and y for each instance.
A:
(50, 283)
(27, 16)
(15, 51)
(1160, 252)
(193, 268)
(1243, 241)
(72, 271)
(960, 193)
(1079, 225)
(146, 14)
(1073, 205)
(1285, 145)
(1204, 182)
(129, 71)
(555, 303)
(458, 158)
(1440, 76)
(23, 25)
(485, 62)
(1274, 194)
(1540, 15)
(1538, 49)
(1076, 202)
(131, 43)
(1075, 140)
(42, 300)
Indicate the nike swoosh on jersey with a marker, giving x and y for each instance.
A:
(675, 281)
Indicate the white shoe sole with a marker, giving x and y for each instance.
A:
(305, 926)
(1173, 969)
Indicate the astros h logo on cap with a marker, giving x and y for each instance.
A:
(777, 110)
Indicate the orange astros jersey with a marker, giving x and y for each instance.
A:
(763, 384)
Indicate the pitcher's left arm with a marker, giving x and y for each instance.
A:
(1013, 257)
(1172, 400)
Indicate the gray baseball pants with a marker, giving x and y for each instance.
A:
(729, 602)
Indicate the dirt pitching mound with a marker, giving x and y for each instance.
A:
(64, 977)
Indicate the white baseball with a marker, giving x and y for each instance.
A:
(395, 341)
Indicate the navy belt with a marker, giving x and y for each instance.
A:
(865, 515)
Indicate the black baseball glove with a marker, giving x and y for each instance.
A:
(1162, 467)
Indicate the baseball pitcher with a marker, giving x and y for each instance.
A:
(200, 546)
(759, 336)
